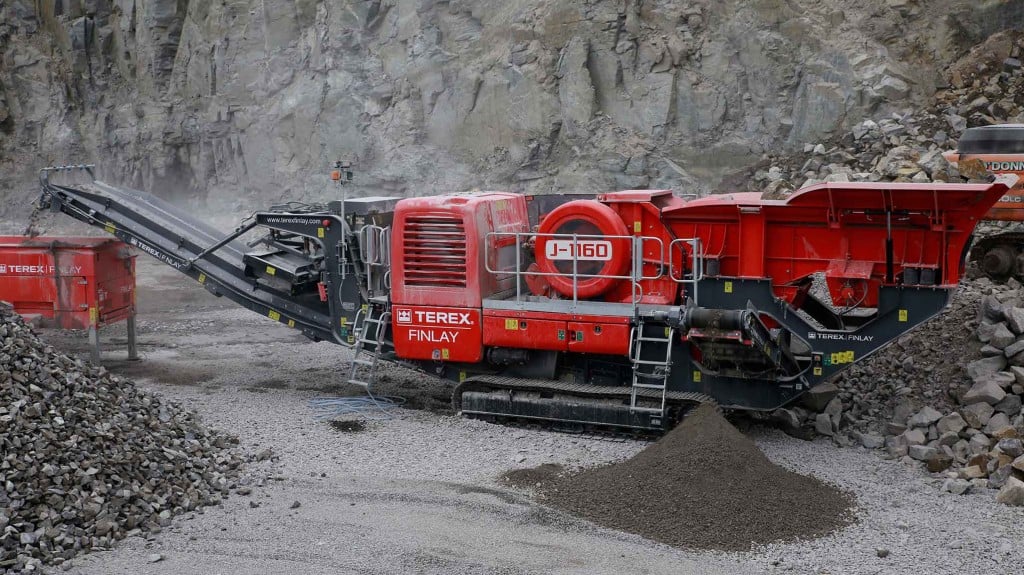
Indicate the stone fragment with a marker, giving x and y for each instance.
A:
(984, 391)
(1012, 447)
(953, 422)
(1014, 319)
(927, 416)
(938, 461)
(956, 486)
(870, 440)
(820, 395)
(823, 424)
(985, 366)
(979, 443)
(972, 472)
(1010, 405)
(914, 437)
(1002, 337)
(1012, 492)
(1018, 463)
(921, 452)
(977, 415)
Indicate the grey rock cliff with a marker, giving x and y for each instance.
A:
(239, 102)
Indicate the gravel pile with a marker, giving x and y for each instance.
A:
(88, 459)
(704, 485)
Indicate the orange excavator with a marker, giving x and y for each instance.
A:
(1000, 149)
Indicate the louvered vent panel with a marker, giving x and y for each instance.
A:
(435, 251)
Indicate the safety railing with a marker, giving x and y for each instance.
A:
(696, 268)
(375, 251)
(580, 248)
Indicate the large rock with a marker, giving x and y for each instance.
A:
(823, 424)
(914, 437)
(927, 416)
(819, 396)
(984, 391)
(938, 462)
(1015, 319)
(921, 452)
(986, 366)
(1011, 447)
(997, 424)
(953, 422)
(978, 444)
(1001, 337)
(977, 415)
(1012, 492)
(1010, 405)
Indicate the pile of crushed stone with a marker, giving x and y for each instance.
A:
(704, 486)
(86, 458)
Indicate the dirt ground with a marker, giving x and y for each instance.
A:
(422, 492)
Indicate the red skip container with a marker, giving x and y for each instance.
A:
(70, 283)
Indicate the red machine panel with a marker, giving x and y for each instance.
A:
(438, 333)
(609, 337)
(441, 250)
(69, 282)
(525, 330)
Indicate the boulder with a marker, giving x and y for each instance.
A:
(1011, 447)
(1014, 348)
(1002, 337)
(979, 443)
(956, 486)
(1012, 492)
(823, 424)
(927, 416)
(869, 440)
(996, 423)
(985, 366)
(938, 462)
(921, 452)
(1018, 463)
(986, 390)
(818, 397)
(953, 422)
(914, 437)
(1015, 319)
(1010, 405)
(977, 415)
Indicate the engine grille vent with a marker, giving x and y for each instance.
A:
(435, 251)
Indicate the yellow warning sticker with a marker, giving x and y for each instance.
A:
(817, 371)
(364, 307)
(273, 315)
(637, 227)
(728, 287)
(271, 270)
(462, 376)
(842, 357)
(343, 320)
(668, 331)
(110, 228)
(94, 315)
(351, 339)
(291, 323)
(903, 315)
(696, 375)
(444, 353)
(319, 232)
(512, 324)
(202, 278)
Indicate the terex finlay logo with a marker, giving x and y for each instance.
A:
(429, 317)
(38, 270)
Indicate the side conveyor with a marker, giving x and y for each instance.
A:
(183, 242)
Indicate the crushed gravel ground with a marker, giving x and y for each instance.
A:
(707, 486)
(422, 493)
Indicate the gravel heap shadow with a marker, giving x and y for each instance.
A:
(707, 486)
(87, 458)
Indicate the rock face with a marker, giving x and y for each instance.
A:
(88, 458)
(227, 101)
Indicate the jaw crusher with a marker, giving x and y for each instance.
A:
(618, 310)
